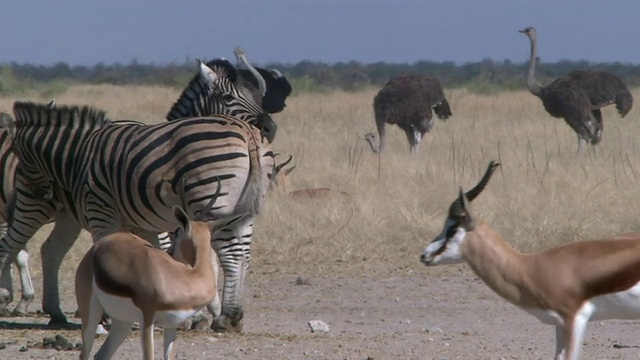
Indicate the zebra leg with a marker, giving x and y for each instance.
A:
(22, 263)
(30, 214)
(233, 246)
(65, 233)
(6, 292)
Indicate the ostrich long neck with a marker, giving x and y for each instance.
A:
(262, 86)
(531, 77)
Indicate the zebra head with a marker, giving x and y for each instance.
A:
(213, 91)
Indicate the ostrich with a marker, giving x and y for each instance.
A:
(578, 96)
(268, 87)
(407, 101)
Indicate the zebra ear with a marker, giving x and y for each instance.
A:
(207, 75)
(6, 122)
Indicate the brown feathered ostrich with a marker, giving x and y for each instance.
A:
(409, 102)
(578, 96)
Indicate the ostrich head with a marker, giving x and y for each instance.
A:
(530, 32)
(372, 140)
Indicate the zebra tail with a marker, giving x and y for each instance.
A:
(253, 193)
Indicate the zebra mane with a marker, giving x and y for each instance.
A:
(196, 93)
(223, 68)
(41, 115)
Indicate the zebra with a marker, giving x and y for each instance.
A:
(113, 178)
(211, 91)
(8, 164)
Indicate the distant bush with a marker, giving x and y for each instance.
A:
(486, 76)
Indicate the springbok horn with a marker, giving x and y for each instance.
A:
(280, 166)
(457, 207)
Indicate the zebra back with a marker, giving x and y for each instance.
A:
(8, 164)
(117, 173)
(214, 91)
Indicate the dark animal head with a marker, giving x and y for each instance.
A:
(267, 126)
(278, 88)
(442, 110)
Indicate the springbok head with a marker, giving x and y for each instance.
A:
(446, 247)
(280, 177)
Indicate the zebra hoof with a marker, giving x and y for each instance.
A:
(200, 324)
(21, 308)
(58, 320)
(19, 312)
(4, 312)
(223, 324)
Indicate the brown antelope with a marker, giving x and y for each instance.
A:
(566, 286)
(124, 276)
(281, 183)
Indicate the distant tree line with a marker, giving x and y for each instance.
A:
(486, 76)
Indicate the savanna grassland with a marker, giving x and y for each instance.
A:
(359, 253)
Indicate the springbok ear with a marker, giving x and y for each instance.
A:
(466, 219)
(289, 170)
(6, 122)
(207, 75)
(182, 218)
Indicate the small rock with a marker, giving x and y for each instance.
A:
(24, 349)
(3, 346)
(301, 281)
(212, 339)
(433, 330)
(318, 326)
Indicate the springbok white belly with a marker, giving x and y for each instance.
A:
(123, 308)
(620, 305)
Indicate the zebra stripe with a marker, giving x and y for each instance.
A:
(113, 178)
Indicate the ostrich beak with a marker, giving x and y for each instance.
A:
(522, 31)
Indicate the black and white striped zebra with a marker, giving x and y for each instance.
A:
(211, 91)
(8, 163)
(112, 177)
(53, 250)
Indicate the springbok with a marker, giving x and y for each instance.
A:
(566, 286)
(281, 183)
(126, 277)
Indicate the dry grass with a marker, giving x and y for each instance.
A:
(544, 194)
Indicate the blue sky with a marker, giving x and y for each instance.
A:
(86, 32)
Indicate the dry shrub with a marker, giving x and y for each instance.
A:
(544, 194)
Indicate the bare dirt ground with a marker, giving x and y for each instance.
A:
(359, 255)
(414, 313)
